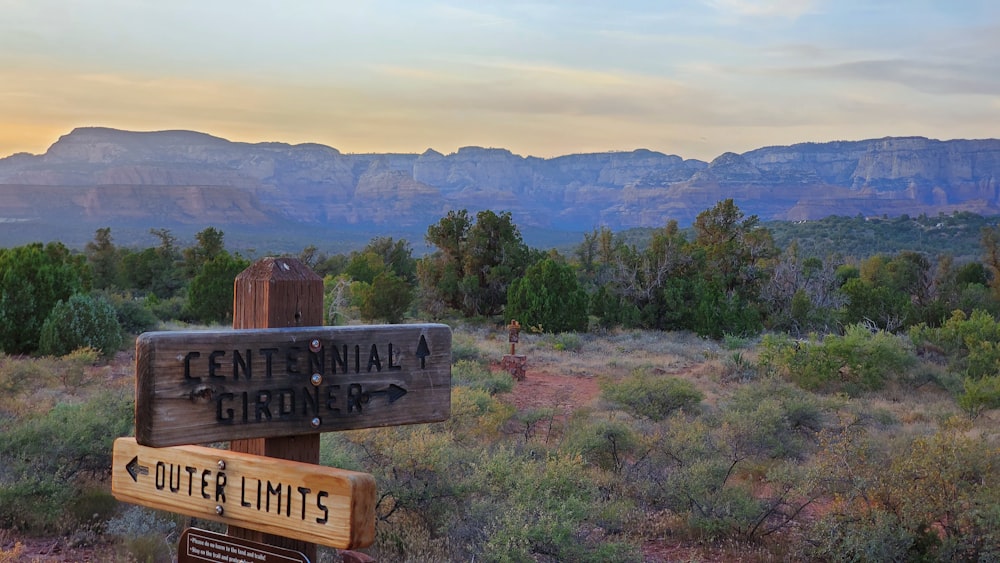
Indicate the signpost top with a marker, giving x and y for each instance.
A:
(211, 386)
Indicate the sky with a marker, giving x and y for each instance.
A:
(695, 78)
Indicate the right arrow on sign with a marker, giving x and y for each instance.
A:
(394, 392)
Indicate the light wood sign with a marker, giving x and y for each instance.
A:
(195, 387)
(313, 503)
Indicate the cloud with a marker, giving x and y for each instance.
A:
(930, 77)
(789, 9)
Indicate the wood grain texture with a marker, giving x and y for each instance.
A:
(312, 503)
(198, 387)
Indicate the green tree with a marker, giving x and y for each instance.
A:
(82, 321)
(736, 248)
(474, 263)
(549, 296)
(210, 244)
(210, 297)
(386, 298)
(33, 279)
(104, 260)
(383, 275)
(155, 270)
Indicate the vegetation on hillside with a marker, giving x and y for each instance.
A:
(756, 399)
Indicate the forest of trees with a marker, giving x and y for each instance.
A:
(723, 276)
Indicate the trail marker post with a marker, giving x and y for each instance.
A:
(269, 387)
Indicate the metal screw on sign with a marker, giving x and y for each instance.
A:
(222, 464)
(219, 510)
(315, 345)
(316, 422)
(316, 379)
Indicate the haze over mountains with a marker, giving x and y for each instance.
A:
(185, 181)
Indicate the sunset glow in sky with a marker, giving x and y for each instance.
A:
(694, 78)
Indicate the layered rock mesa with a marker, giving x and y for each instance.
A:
(103, 175)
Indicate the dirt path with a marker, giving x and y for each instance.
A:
(541, 389)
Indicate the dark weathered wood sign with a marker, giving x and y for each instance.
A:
(200, 546)
(313, 503)
(207, 386)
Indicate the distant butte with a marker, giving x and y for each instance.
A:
(106, 177)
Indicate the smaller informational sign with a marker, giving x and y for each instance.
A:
(203, 546)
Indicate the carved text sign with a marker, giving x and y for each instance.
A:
(313, 503)
(197, 387)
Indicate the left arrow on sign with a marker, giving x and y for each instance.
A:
(134, 469)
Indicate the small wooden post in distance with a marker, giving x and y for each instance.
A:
(278, 293)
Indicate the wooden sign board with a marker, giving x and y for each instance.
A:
(312, 503)
(201, 546)
(195, 387)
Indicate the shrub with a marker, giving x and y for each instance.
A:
(133, 315)
(652, 397)
(549, 296)
(44, 457)
(145, 534)
(857, 361)
(478, 376)
(979, 395)
(876, 536)
(608, 444)
(935, 499)
(80, 322)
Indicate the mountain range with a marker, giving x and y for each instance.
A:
(272, 192)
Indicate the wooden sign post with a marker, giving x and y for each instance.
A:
(270, 387)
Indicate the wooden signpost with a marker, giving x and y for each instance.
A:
(313, 503)
(269, 388)
(201, 386)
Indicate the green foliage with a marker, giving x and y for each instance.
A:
(134, 315)
(549, 296)
(873, 537)
(45, 459)
(145, 534)
(935, 499)
(969, 343)
(957, 234)
(699, 467)
(605, 443)
(652, 397)
(155, 270)
(857, 361)
(772, 418)
(534, 509)
(478, 376)
(383, 275)
(980, 394)
(33, 279)
(210, 296)
(84, 321)
(209, 246)
(475, 263)
(104, 260)
(386, 298)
